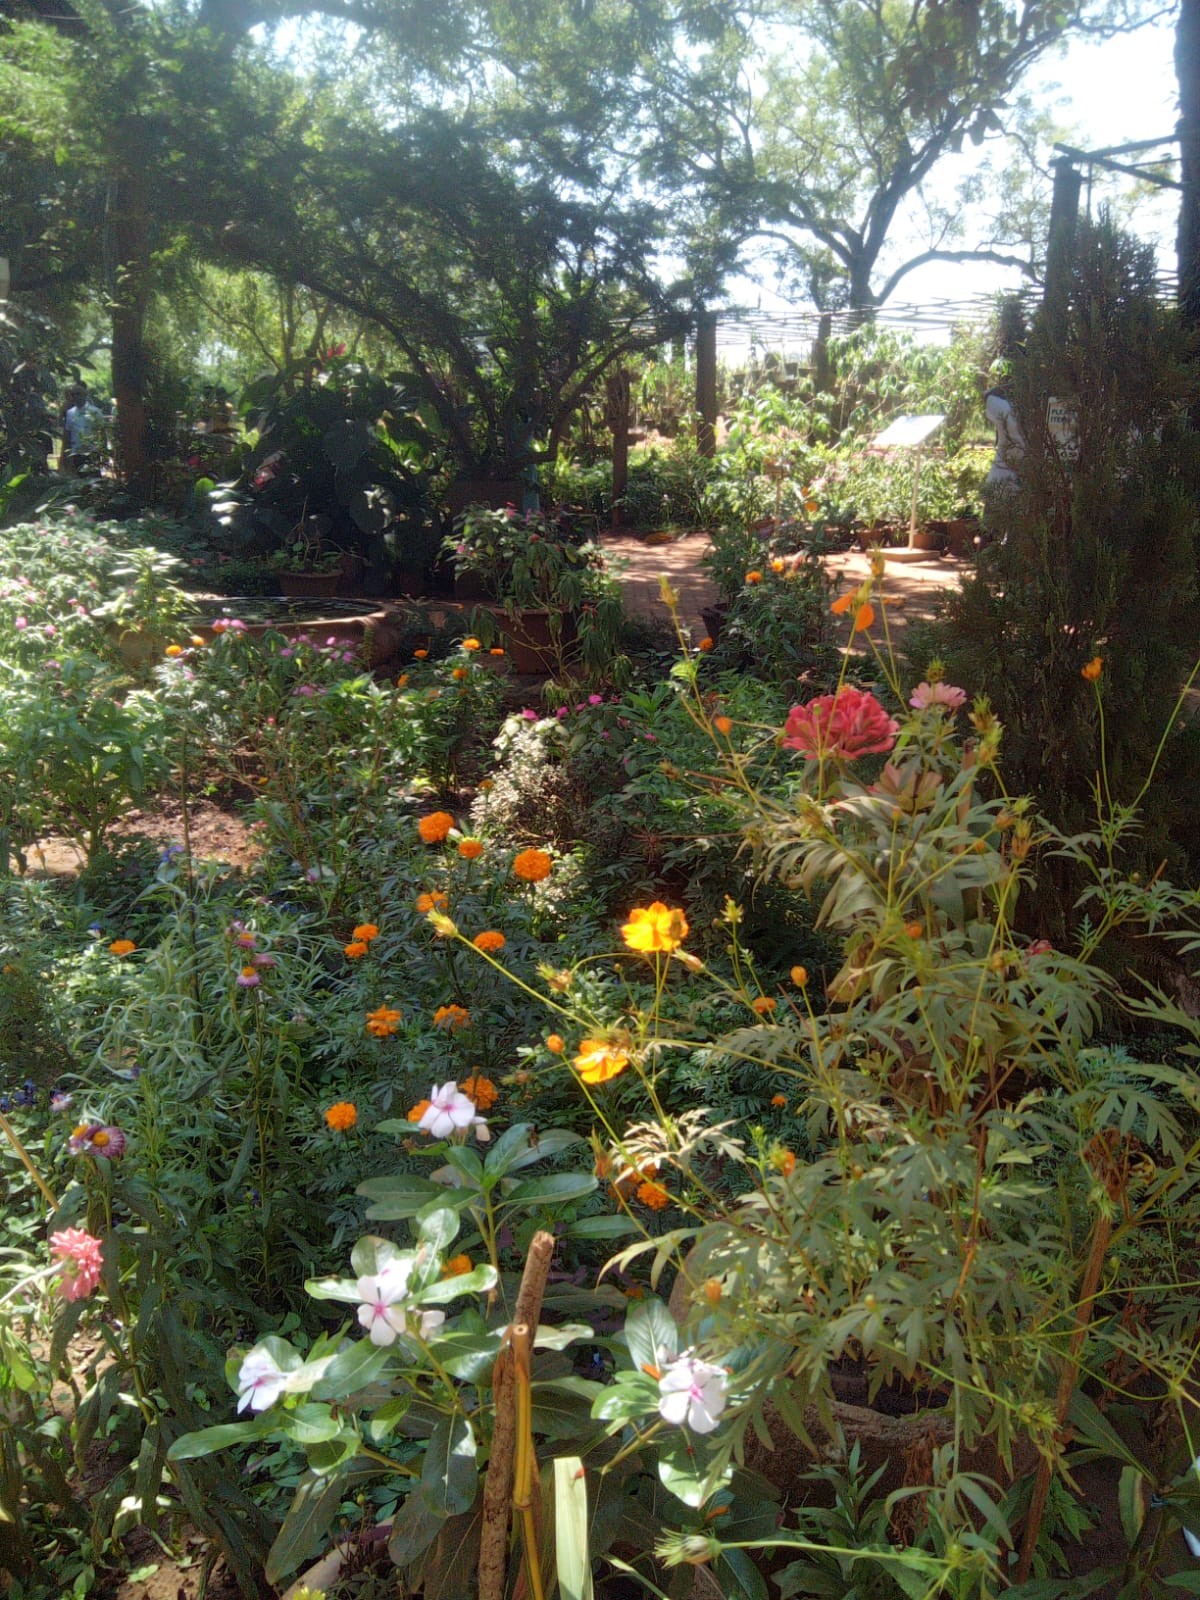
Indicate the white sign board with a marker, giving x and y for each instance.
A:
(907, 431)
(1062, 424)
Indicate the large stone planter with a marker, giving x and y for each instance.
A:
(374, 634)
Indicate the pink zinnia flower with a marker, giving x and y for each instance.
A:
(846, 725)
(937, 694)
(81, 1257)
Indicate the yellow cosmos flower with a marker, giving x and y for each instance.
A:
(598, 1061)
(655, 928)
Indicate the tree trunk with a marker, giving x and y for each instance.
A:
(706, 383)
(1187, 70)
(131, 293)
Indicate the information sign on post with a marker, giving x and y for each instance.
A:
(910, 433)
(1062, 424)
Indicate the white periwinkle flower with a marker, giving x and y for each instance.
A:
(692, 1393)
(448, 1110)
(260, 1381)
(383, 1295)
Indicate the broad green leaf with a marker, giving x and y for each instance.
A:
(555, 1189)
(414, 1528)
(449, 1478)
(372, 1255)
(571, 1553)
(205, 1441)
(437, 1230)
(478, 1281)
(650, 1333)
(353, 1368)
(310, 1515)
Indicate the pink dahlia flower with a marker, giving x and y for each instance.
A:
(845, 725)
(937, 694)
(81, 1261)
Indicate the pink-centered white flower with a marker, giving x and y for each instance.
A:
(81, 1257)
(692, 1394)
(448, 1111)
(260, 1381)
(383, 1295)
(937, 694)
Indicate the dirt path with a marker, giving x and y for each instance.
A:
(912, 587)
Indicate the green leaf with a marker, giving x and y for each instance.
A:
(560, 1335)
(555, 1189)
(437, 1230)
(414, 1528)
(373, 1255)
(478, 1281)
(739, 1578)
(353, 1368)
(1095, 1429)
(571, 1529)
(449, 1477)
(469, 1356)
(206, 1441)
(651, 1333)
(1131, 1500)
(600, 1228)
(309, 1517)
(396, 1198)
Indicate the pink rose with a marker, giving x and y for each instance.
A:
(845, 726)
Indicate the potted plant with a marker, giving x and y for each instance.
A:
(306, 567)
(551, 597)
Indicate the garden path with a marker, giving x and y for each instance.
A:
(912, 587)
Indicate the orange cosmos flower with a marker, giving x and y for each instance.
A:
(173, 650)
(470, 849)
(470, 644)
(459, 673)
(653, 1195)
(705, 644)
(864, 617)
(342, 1116)
(435, 827)
(754, 576)
(1093, 669)
(843, 603)
(723, 725)
(402, 681)
(457, 1267)
(655, 928)
(431, 901)
(420, 654)
(556, 1044)
(777, 563)
(532, 865)
(598, 1061)
(495, 651)
(800, 976)
(382, 1022)
(779, 1100)
(489, 941)
(482, 1090)
(452, 1017)
(764, 1005)
(356, 949)
(122, 947)
(366, 931)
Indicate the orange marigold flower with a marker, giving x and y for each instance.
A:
(356, 949)
(470, 644)
(457, 1267)
(843, 603)
(173, 650)
(556, 1044)
(431, 901)
(417, 1111)
(459, 673)
(1093, 669)
(532, 865)
(706, 643)
(496, 650)
(653, 1195)
(382, 1022)
(470, 849)
(196, 642)
(420, 654)
(864, 616)
(655, 928)
(779, 1100)
(435, 827)
(754, 576)
(914, 930)
(482, 1090)
(489, 941)
(764, 1005)
(800, 977)
(723, 725)
(402, 681)
(598, 1061)
(122, 947)
(451, 1017)
(366, 931)
(777, 563)
(342, 1116)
